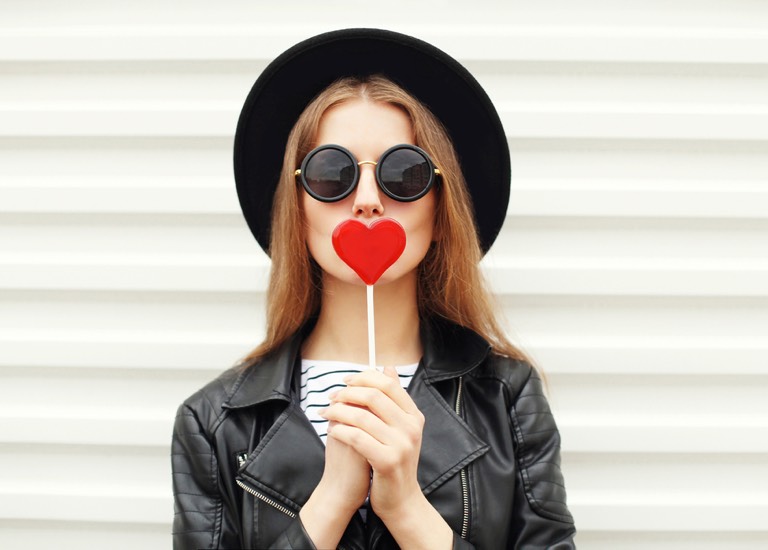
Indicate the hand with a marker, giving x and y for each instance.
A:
(347, 474)
(377, 418)
(342, 490)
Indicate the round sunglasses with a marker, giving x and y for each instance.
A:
(404, 172)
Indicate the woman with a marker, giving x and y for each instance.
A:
(301, 446)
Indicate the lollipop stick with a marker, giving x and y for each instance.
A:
(371, 329)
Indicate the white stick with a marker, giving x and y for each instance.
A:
(371, 329)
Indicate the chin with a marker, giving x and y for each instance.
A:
(395, 275)
(343, 275)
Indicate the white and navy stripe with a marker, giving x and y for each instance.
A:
(320, 378)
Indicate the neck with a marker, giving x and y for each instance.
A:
(341, 332)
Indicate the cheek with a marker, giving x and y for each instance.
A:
(419, 225)
(422, 218)
(320, 220)
(419, 241)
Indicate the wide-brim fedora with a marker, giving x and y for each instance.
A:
(290, 82)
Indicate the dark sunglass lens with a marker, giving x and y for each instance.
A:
(329, 173)
(405, 173)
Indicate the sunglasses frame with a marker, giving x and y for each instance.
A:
(433, 172)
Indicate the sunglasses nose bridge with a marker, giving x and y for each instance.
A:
(363, 171)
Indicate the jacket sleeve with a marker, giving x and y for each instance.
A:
(199, 512)
(541, 517)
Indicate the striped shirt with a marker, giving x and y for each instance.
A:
(320, 378)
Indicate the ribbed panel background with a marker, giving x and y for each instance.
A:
(633, 265)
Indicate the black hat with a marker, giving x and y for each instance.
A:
(293, 79)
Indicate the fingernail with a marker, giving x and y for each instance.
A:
(321, 412)
(347, 379)
(333, 395)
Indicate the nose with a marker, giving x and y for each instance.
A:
(367, 203)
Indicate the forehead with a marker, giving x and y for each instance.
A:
(364, 127)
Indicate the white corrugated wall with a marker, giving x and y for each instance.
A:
(633, 264)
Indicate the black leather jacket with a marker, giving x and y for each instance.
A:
(245, 457)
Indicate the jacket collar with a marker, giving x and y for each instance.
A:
(269, 379)
(450, 351)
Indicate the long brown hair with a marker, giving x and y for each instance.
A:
(450, 284)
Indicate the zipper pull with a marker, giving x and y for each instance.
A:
(241, 458)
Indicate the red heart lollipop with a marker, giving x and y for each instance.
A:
(369, 250)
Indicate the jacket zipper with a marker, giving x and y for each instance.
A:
(265, 498)
(272, 503)
(463, 473)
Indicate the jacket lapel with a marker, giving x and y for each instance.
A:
(447, 443)
(288, 462)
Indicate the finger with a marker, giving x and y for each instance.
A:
(361, 418)
(375, 401)
(363, 443)
(390, 386)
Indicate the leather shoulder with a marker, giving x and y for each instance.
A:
(537, 439)
(513, 373)
(207, 402)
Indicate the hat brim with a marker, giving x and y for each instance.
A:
(292, 80)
